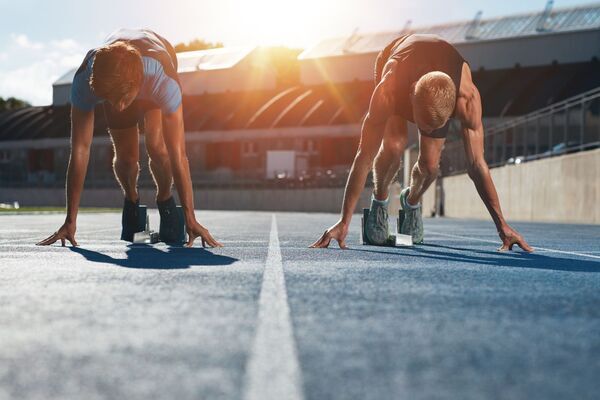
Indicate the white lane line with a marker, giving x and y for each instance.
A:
(273, 371)
(535, 247)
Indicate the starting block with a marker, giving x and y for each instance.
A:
(397, 240)
(129, 226)
(147, 236)
(172, 227)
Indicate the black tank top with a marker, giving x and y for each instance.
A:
(417, 55)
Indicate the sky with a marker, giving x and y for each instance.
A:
(41, 40)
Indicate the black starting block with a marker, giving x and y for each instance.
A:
(399, 239)
(175, 234)
(133, 221)
(172, 234)
(172, 225)
(136, 227)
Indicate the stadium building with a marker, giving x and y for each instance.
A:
(538, 75)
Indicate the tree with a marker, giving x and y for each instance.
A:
(12, 103)
(197, 44)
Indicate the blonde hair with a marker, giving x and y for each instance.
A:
(435, 96)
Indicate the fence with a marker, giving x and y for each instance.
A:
(564, 127)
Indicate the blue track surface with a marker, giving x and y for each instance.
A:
(451, 319)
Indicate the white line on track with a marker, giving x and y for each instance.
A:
(273, 371)
(535, 247)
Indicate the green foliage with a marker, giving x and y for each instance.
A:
(12, 103)
(197, 44)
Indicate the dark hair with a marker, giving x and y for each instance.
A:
(117, 69)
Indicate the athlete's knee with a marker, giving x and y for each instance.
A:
(158, 155)
(161, 163)
(126, 163)
(428, 167)
(395, 148)
(364, 157)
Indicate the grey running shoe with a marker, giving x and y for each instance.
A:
(376, 227)
(413, 220)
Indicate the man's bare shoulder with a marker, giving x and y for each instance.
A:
(468, 102)
(383, 98)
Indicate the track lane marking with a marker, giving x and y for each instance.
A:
(534, 247)
(273, 371)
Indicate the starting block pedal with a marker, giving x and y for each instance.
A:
(147, 236)
(398, 240)
(401, 239)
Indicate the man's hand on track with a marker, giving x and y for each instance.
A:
(339, 231)
(510, 237)
(198, 231)
(64, 233)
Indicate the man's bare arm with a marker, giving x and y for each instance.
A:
(470, 113)
(371, 136)
(479, 172)
(82, 130)
(373, 127)
(174, 138)
(175, 142)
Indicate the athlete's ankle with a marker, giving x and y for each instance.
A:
(380, 201)
(132, 197)
(411, 201)
(380, 196)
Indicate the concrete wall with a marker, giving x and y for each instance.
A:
(558, 189)
(305, 200)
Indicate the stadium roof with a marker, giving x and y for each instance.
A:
(189, 61)
(585, 17)
(221, 58)
(66, 79)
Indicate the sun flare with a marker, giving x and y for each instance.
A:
(281, 22)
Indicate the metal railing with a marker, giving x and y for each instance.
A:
(564, 127)
(18, 177)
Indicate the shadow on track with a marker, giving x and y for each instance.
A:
(148, 257)
(517, 259)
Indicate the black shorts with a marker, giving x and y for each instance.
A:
(440, 133)
(129, 117)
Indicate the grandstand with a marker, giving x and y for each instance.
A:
(236, 113)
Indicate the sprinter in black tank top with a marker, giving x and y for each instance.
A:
(420, 79)
(418, 55)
